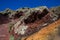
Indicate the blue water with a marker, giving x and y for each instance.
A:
(14, 4)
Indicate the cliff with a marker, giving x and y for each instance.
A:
(38, 23)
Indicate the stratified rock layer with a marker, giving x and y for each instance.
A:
(28, 23)
(50, 32)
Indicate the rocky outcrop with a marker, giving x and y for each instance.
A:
(25, 22)
(50, 32)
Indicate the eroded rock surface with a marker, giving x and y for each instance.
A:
(25, 22)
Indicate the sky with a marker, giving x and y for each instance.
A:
(15, 4)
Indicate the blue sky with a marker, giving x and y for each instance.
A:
(14, 4)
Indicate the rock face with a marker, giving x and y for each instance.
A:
(50, 32)
(25, 22)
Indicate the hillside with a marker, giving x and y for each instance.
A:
(40, 23)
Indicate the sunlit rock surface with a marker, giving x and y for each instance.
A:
(40, 23)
